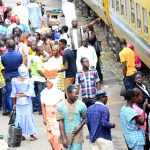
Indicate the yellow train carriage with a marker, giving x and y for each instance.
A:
(129, 19)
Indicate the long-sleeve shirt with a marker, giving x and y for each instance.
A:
(97, 120)
(89, 53)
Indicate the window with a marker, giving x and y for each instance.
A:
(127, 10)
(138, 16)
(132, 11)
(117, 5)
(113, 3)
(145, 21)
(122, 6)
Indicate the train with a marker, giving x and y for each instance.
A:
(128, 19)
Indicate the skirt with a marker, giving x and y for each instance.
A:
(25, 119)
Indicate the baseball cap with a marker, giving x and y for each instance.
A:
(101, 93)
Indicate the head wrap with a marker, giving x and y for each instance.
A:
(55, 47)
(23, 71)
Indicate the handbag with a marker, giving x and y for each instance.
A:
(12, 117)
(97, 46)
(14, 136)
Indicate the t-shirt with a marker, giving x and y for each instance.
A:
(69, 57)
(128, 56)
(36, 64)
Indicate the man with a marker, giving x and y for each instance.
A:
(69, 62)
(22, 13)
(69, 12)
(98, 124)
(38, 76)
(71, 117)
(88, 81)
(86, 51)
(127, 58)
(35, 15)
(11, 61)
(76, 33)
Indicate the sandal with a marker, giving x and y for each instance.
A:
(33, 138)
(23, 138)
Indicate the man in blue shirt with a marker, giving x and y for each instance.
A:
(11, 61)
(98, 124)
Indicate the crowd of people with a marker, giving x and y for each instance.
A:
(134, 116)
(44, 67)
(55, 71)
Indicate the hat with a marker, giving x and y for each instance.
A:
(100, 93)
(19, 1)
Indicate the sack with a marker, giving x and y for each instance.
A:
(12, 117)
(97, 46)
(123, 90)
(14, 136)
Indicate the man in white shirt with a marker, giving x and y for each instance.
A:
(69, 12)
(22, 13)
(86, 51)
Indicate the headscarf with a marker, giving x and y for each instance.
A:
(23, 71)
(55, 47)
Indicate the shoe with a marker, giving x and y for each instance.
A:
(6, 113)
(23, 138)
(33, 138)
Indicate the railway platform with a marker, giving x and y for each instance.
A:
(112, 84)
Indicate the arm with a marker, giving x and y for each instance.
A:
(63, 134)
(141, 119)
(44, 113)
(124, 68)
(64, 68)
(41, 73)
(105, 120)
(98, 85)
(94, 21)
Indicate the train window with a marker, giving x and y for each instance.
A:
(138, 16)
(132, 11)
(127, 10)
(145, 21)
(122, 6)
(117, 5)
(113, 3)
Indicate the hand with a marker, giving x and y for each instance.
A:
(45, 122)
(145, 104)
(65, 142)
(14, 107)
(98, 19)
(113, 125)
(76, 130)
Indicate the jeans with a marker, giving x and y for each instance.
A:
(38, 87)
(129, 82)
(7, 101)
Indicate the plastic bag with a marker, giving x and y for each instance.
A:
(12, 117)
(14, 136)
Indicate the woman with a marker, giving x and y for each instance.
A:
(92, 39)
(138, 100)
(56, 63)
(144, 89)
(130, 119)
(22, 91)
(50, 96)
